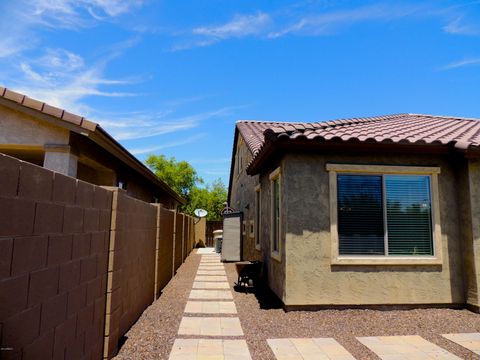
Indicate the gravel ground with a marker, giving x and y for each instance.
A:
(153, 334)
(263, 318)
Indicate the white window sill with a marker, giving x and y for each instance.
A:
(276, 256)
(386, 260)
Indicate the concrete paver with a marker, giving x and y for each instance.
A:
(471, 341)
(308, 349)
(210, 326)
(211, 278)
(193, 349)
(211, 272)
(210, 307)
(405, 348)
(210, 285)
(211, 294)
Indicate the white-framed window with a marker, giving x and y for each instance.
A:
(276, 220)
(384, 214)
(258, 215)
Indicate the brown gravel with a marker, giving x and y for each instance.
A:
(263, 318)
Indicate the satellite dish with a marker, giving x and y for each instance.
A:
(200, 213)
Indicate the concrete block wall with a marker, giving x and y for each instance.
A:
(131, 267)
(53, 260)
(178, 245)
(78, 263)
(164, 249)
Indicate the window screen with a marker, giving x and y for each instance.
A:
(409, 215)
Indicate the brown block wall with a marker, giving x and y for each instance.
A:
(131, 266)
(164, 249)
(178, 240)
(53, 260)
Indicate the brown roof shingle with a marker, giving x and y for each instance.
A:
(462, 133)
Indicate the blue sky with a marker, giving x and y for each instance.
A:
(173, 77)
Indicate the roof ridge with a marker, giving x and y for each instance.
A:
(460, 118)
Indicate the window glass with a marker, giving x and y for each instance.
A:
(360, 215)
(258, 211)
(409, 214)
(375, 211)
(276, 214)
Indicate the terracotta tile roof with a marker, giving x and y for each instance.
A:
(462, 133)
(47, 109)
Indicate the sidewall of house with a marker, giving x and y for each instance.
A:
(312, 280)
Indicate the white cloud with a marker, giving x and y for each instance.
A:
(461, 63)
(239, 26)
(333, 21)
(74, 13)
(151, 149)
(459, 26)
(61, 78)
(144, 127)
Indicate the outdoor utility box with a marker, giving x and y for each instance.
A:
(232, 237)
(217, 240)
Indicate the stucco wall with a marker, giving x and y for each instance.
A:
(471, 231)
(243, 196)
(310, 277)
(21, 129)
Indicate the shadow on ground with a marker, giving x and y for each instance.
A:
(266, 298)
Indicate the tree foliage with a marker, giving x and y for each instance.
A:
(210, 198)
(183, 178)
(179, 175)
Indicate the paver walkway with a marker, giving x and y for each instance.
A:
(471, 341)
(210, 315)
(405, 348)
(308, 349)
(210, 329)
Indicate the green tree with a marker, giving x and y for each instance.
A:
(183, 178)
(179, 175)
(210, 198)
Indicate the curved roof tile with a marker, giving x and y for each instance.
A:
(397, 128)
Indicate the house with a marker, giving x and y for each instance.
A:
(366, 211)
(47, 136)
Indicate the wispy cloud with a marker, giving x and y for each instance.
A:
(460, 26)
(461, 63)
(61, 78)
(185, 141)
(239, 26)
(72, 14)
(331, 22)
(144, 127)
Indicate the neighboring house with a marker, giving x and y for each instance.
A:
(72, 145)
(369, 211)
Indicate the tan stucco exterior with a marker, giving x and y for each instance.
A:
(306, 275)
(44, 142)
